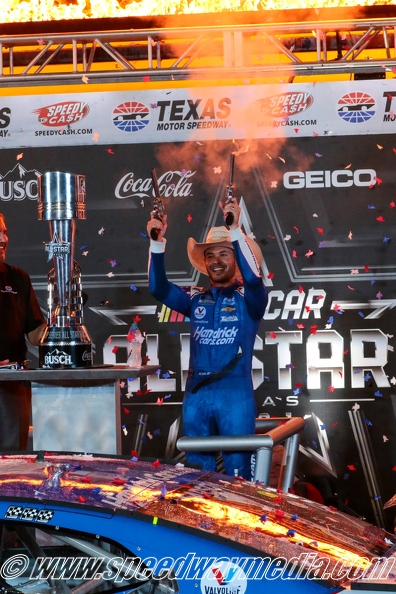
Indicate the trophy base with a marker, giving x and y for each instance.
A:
(65, 348)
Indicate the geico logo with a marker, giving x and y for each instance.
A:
(341, 178)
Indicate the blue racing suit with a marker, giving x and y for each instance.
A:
(223, 322)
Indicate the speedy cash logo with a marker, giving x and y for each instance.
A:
(356, 107)
(285, 104)
(62, 114)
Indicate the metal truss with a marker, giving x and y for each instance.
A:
(259, 51)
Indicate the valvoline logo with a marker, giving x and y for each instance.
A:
(224, 577)
(285, 104)
(356, 107)
(62, 114)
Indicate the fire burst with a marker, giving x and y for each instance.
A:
(47, 10)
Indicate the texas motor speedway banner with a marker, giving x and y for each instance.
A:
(314, 173)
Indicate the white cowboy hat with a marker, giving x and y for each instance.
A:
(218, 237)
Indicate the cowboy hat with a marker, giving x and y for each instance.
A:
(217, 237)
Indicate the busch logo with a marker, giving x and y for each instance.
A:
(57, 358)
(215, 337)
(171, 183)
(18, 184)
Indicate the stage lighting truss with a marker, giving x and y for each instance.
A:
(267, 52)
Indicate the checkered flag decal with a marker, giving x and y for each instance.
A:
(45, 515)
(14, 511)
(30, 514)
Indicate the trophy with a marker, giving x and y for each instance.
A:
(65, 342)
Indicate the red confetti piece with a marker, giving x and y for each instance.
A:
(350, 288)
(134, 454)
(380, 219)
(156, 463)
(159, 401)
(279, 513)
(270, 275)
(110, 151)
(189, 218)
(82, 499)
(378, 180)
(207, 496)
(351, 467)
(130, 336)
(331, 389)
(146, 79)
(294, 254)
(137, 319)
(313, 329)
(141, 392)
(300, 326)
(273, 334)
(392, 204)
(86, 479)
(319, 297)
(118, 481)
(366, 268)
(309, 254)
(335, 424)
(296, 130)
(307, 308)
(320, 230)
(114, 350)
(126, 410)
(301, 289)
(296, 228)
(298, 385)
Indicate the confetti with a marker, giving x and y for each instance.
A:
(217, 170)
(95, 137)
(101, 231)
(19, 156)
(85, 79)
(309, 254)
(350, 235)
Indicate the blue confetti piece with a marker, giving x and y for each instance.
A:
(141, 422)
(133, 287)
(157, 432)
(166, 375)
(356, 371)
(378, 394)
(296, 391)
(144, 439)
(376, 497)
(294, 517)
(314, 443)
(373, 281)
(173, 332)
(369, 423)
(96, 490)
(83, 247)
(167, 396)
(361, 314)
(322, 244)
(346, 476)
(143, 234)
(131, 379)
(263, 518)
(371, 206)
(339, 312)
(330, 320)
(134, 459)
(289, 366)
(290, 532)
(367, 377)
(158, 372)
(267, 377)
(123, 426)
(323, 427)
(386, 240)
(290, 321)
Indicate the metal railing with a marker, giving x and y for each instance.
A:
(269, 432)
(262, 51)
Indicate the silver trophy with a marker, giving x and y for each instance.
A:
(66, 342)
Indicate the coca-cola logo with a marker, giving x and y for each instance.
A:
(171, 183)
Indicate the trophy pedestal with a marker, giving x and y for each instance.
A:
(77, 410)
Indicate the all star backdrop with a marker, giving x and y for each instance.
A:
(314, 173)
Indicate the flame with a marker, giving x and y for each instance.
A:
(243, 519)
(17, 11)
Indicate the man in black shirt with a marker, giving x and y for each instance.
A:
(20, 316)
